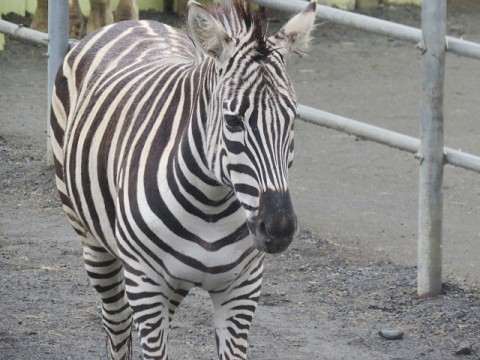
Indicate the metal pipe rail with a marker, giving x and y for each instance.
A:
(383, 136)
(378, 26)
(362, 22)
(27, 34)
(23, 33)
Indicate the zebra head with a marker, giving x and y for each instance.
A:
(255, 105)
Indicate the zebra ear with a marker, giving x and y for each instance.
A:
(207, 33)
(294, 36)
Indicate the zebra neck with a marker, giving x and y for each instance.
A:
(196, 166)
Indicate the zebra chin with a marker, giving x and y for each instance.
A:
(275, 225)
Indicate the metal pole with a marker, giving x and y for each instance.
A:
(57, 49)
(430, 217)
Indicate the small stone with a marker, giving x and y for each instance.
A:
(464, 351)
(357, 340)
(391, 334)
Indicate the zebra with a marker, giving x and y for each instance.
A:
(171, 153)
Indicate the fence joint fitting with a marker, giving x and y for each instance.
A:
(421, 46)
(419, 156)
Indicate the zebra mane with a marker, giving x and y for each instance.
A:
(239, 15)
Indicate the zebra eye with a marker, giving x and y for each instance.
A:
(234, 123)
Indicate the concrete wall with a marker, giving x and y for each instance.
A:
(403, 2)
(17, 6)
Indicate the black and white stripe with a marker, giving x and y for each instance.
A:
(171, 158)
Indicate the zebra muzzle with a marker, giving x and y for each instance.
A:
(275, 225)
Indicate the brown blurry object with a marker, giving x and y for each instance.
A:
(100, 15)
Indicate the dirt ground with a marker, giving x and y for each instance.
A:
(351, 271)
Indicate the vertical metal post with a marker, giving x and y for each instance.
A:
(431, 167)
(57, 49)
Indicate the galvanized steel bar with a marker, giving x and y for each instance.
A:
(23, 33)
(430, 216)
(360, 129)
(383, 136)
(463, 160)
(371, 24)
(358, 21)
(463, 47)
(57, 49)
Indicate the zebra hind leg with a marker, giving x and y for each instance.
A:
(234, 310)
(107, 277)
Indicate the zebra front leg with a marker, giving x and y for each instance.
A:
(106, 276)
(153, 302)
(234, 310)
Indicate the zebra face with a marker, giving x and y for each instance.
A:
(258, 135)
(254, 147)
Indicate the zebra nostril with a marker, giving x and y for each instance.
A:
(281, 226)
(274, 233)
(262, 228)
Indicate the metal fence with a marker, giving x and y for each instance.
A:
(430, 150)
(433, 43)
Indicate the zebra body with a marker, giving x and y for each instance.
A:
(171, 157)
